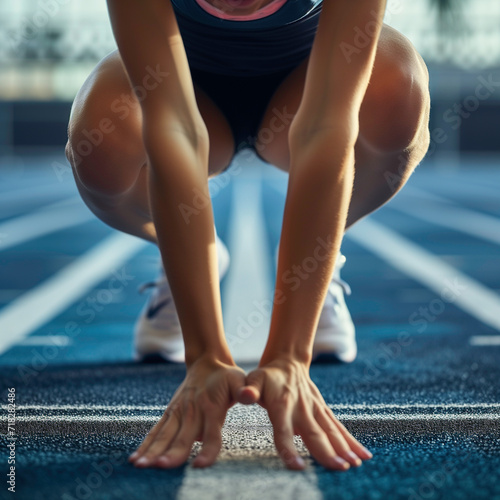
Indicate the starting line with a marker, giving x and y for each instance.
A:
(252, 416)
(335, 407)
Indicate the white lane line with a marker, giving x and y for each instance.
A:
(238, 476)
(443, 213)
(263, 475)
(335, 407)
(247, 292)
(49, 219)
(42, 303)
(58, 340)
(429, 270)
(420, 416)
(38, 192)
(481, 340)
(458, 188)
(12, 205)
(348, 417)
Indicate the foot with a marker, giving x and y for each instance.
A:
(335, 340)
(157, 333)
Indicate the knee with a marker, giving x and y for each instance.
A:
(410, 117)
(397, 105)
(101, 155)
(105, 146)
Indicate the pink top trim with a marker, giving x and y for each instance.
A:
(264, 12)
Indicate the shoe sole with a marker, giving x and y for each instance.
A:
(155, 358)
(328, 358)
(320, 359)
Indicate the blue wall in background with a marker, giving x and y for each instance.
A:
(43, 124)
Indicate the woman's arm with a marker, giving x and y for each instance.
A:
(321, 138)
(176, 142)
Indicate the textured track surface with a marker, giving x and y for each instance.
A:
(422, 395)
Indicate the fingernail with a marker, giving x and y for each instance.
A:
(133, 456)
(354, 458)
(340, 462)
(368, 453)
(299, 462)
(142, 461)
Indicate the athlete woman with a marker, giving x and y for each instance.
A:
(193, 81)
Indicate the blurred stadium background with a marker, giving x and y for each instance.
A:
(48, 47)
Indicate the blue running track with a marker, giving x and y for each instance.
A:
(423, 394)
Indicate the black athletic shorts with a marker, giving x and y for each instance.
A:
(243, 100)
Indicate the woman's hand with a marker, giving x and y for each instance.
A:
(196, 412)
(295, 406)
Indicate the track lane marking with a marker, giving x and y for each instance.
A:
(45, 301)
(334, 407)
(48, 219)
(247, 281)
(57, 340)
(347, 417)
(446, 214)
(37, 192)
(431, 271)
(482, 340)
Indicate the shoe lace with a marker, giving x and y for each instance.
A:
(332, 297)
(343, 284)
(336, 279)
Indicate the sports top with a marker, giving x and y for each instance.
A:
(249, 46)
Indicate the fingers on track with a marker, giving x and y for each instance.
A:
(212, 442)
(319, 445)
(283, 438)
(177, 452)
(336, 438)
(354, 444)
(149, 439)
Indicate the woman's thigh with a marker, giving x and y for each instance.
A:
(393, 115)
(105, 144)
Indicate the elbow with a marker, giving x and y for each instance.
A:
(340, 133)
(159, 123)
(172, 144)
(324, 152)
(323, 177)
(343, 129)
(160, 118)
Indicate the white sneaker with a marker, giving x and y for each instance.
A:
(157, 333)
(335, 340)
